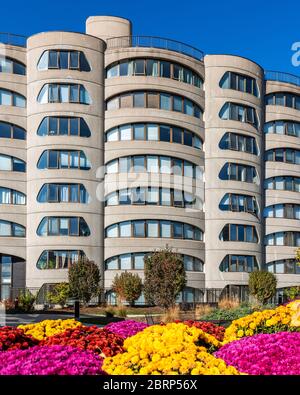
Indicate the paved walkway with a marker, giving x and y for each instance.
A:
(18, 319)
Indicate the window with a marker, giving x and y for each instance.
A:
(11, 66)
(11, 131)
(154, 68)
(66, 193)
(239, 112)
(9, 98)
(288, 238)
(290, 128)
(239, 203)
(284, 183)
(64, 93)
(11, 229)
(138, 99)
(239, 263)
(286, 155)
(63, 59)
(58, 259)
(63, 226)
(160, 132)
(135, 261)
(238, 172)
(239, 232)
(239, 142)
(240, 82)
(284, 99)
(284, 266)
(290, 211)
(154, 228)
(9, 163)
(10, 196)
(63, 126)
(153, 196)
(51, 159)
(150, 163)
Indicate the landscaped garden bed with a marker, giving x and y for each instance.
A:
(265, 343)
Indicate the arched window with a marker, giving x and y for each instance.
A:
(10, 163)
(11, 229)
(239, 263)
(283, 183)
(63, 226)
(135, 261)
(63, 59)
(190, 295)
(10, 196)
(239, 142)
(63, 193)
(64, 93)
(290, 128)
(285, 99)
(154, 68)
(154, 228)
(239, 232)
(11, 268)
(154, 164)
(11, 66)
(159, 100)
(288, 238)
(286, 155)
(239, 82)
(64, 126)
(238, 172)
(284, 266)
(154, 196)
(239, 112)
(63, 159)
(10, 98)
(154, 132)
(286, 210)
(58, 259)
(239, 203)
(11, 131)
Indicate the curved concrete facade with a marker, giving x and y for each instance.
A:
(92, 213)
(118, 149)
(215, 158)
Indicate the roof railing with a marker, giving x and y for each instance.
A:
(282, 77)
(154, 42)
(13, 39)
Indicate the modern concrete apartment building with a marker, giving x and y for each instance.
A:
(114, 145)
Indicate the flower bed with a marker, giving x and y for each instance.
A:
(126, 328)
(167, 349)
(208, 327)
(15, 339)
(46, 328)
(55, 360)
(264, 354)
(267, 321)
(98, 340)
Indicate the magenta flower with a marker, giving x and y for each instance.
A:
(126, 328)
(264, 354)
(50, 360)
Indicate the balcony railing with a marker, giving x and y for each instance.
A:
(154, 42)
(282, 77)
(13, 39)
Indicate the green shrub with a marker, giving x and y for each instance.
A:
(262, 285)
(59, 294)
(26, 301)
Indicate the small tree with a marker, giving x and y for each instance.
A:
(84, 279)
(127, 286)
(164, 277)
(59, 294)
(292, 293)
(262, 285)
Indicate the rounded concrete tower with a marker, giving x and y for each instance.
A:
(105, 27)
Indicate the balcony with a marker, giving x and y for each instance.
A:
(154, 42)
(282, 77)
(13, 39)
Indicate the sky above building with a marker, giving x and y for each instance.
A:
(261, 30)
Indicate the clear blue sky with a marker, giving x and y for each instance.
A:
(261, 30)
